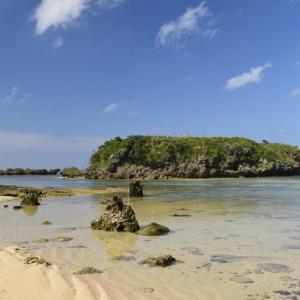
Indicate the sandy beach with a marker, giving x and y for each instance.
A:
(19, 281)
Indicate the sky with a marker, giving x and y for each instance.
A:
(75, 73)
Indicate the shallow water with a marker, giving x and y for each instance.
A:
(235, 225)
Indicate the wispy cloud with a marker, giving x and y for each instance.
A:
(120, 108)
(170, 34)
(254, 75)
(281, 131)
(12, 97)
(58, 42)
(57, 13)
(295, 92)
(109, 4)
(113, 107)
(20, 141)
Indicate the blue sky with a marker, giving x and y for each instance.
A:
(74, 73)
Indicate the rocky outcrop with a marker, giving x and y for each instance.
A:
(135, 189)
(118, 217)
(29, 198)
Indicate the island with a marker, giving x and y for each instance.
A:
(20, 171)
(163, 157)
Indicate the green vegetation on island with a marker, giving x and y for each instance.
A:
(161, 151)
(154, 157)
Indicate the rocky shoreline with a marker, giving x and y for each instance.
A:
(205, 169)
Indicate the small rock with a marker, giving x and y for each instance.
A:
(36, 260)
(85, 270)
(161, 261)
(41, 240)
(135, 189)
(63, 239)
(17, 207)
(47, 223)
(5, 206)
(153, 229)
(29, 198)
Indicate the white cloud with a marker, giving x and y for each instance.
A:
(59, 42)
(171, 33)
(10, 97)
(282, 131)
(109, 4)
(254, 75)
(55, 13)
(295, 92)
(20, 141)
(119, 108)
(110, 108)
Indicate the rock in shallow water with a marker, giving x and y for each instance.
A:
(161, 261)
(118, 217)
(154, 229)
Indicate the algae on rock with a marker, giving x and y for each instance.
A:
(153, 229)
(161, 261)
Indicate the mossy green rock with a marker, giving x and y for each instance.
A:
(36, 260)
(85, 270)
(153, 229)
(47, 223)
(41, 240)
(161, 261)
(29, 198)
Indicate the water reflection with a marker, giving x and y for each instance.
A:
(30, 210)
(116, 243)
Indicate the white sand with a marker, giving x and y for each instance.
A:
(19, 281)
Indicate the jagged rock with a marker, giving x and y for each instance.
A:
(135, 189)
(29, 198)
(118, 217)
(154, 229)
(162, 261)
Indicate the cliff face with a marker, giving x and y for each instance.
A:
(159, 157)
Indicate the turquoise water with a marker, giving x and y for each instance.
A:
(257, 219)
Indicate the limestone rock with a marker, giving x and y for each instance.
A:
(135, 189)
(118, 217)
(154, 229)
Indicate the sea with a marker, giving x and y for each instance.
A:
(231, 238)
